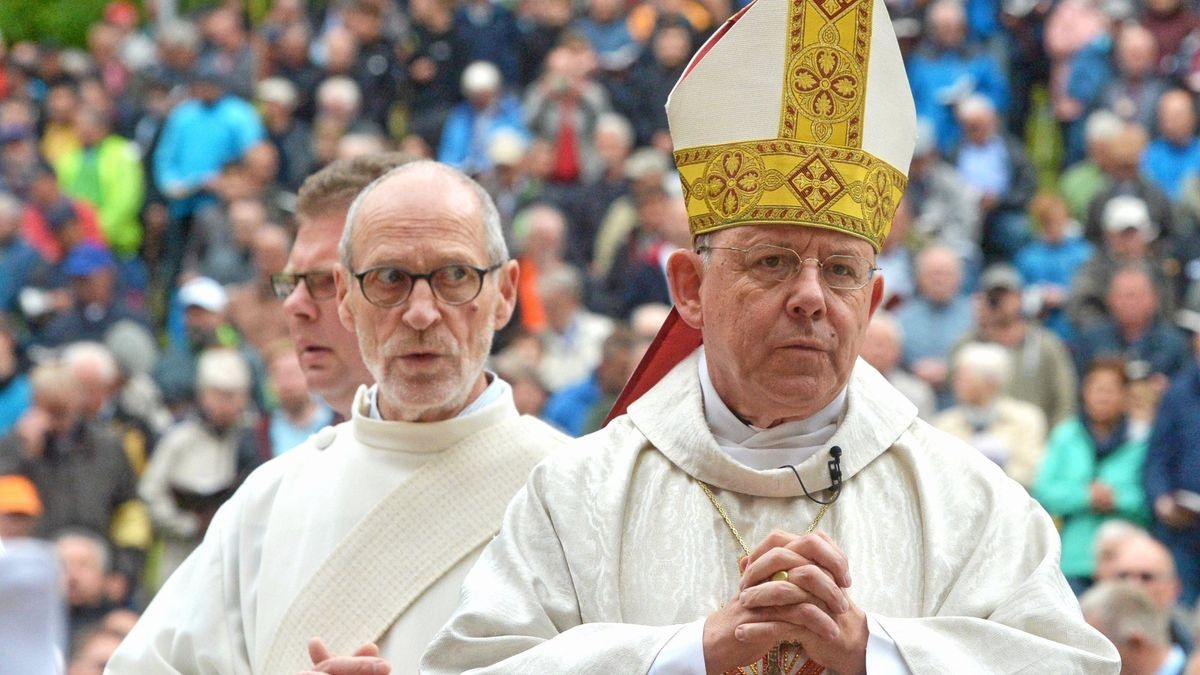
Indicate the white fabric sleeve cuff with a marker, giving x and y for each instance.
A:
(883, 657)
(683, 654)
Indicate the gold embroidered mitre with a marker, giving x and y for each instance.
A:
(796, 112)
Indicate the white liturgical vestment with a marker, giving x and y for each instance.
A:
(789, 443)
(612, 548)
(243, 602)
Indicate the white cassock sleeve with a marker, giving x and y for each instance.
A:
(684, 654)
(194, 624)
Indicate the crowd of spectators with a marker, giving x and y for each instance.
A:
(1042, 297)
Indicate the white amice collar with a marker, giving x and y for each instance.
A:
(492, 406)
(763, 449)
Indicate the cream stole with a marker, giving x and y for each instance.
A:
(407, 542)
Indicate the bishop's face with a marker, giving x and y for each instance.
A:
(779, 351)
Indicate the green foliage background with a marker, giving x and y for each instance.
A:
(64, 21)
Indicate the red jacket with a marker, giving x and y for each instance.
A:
(39, 235)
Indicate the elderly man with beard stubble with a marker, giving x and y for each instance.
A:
(364, 533)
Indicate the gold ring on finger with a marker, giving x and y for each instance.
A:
(781, 575)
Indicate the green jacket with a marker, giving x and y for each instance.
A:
(110, 178)
(1063, 487)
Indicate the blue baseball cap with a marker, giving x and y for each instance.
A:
(86, 259)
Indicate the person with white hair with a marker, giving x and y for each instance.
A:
(360, 144)
(279, 99)
(136, 352)
(644, 169)
(883, 349)
(509, 181)
(1009, 432)
(1131, 238)
(82, 475)
(1149, 564)
(1139, 629)
(365, 532)
(339, 102)
(1111, 537)
(1084, 179)
(201, 460)
(471, 124)
(571, 343)
(614, 141)
(942, 206)
(935, 319)
(996, 168)
(95, 370)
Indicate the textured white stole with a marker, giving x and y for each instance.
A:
(407, 542)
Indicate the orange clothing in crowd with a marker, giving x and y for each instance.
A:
(533, 314)
(643, 18)
(38, 233)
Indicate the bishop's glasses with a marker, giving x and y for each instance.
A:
(769, 264)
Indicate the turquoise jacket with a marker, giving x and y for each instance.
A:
(1063, 487)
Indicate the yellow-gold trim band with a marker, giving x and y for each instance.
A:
(789, 182)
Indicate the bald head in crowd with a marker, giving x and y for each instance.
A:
(1130, 619)
(947, 23)
(939, 273)
(95, 370)
(1147, 563)
(883, 346)
(1132, 300)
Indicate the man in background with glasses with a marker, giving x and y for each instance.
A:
(1146, 562)
(328, 351)
(362, 535)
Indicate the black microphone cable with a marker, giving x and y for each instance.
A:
(835, 476)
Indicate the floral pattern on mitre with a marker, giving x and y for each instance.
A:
(878, 204)
(826, 83)
(733, 182)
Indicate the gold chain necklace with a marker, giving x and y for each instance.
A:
(775, 664)
(733, 528)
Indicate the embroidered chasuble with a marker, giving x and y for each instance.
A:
(237, 605)
(611, 549)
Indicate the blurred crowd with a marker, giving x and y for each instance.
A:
(1042, 274)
